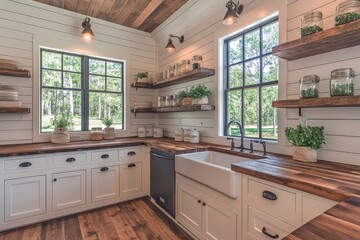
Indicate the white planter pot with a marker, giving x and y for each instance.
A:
(204, 100)
(109, 133)
(304, 154)
(187, 101)
(60, 135)
(142, 80)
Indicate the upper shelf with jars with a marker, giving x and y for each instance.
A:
(314, 40)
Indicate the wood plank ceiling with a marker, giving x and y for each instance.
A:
(145, 15)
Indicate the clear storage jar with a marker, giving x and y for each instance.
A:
(309, 86)
(170, 71)
(177, 69)
(185, 66)
(161, 101)
(197, 62)
(311, 22)
(342, 82)
(347, 11)
(96, 134)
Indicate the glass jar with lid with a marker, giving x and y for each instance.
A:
(161, 101)
(96, 134)
(309, 86)
(170, 71)
(177, 69)
(185, 66)
(197, 62)
(342, 82)
(311, 22)
(347, 11)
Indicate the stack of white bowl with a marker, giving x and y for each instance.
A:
(143, 104)
(9, 96)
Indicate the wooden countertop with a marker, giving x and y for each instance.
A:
(339, 182)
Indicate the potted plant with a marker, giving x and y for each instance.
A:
(109, 132)
(184, 97)
(61, 124)
(306, 141)
(200, 94)
(142, 77)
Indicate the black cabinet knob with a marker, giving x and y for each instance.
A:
(104, 169)
(70, 160)
(55, 179)
(105, 156)
(204, 204)
(25, 164)
(199, 201)
(269, 195)
(131, 153)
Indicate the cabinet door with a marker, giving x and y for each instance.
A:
(104, 183)
(25, 197)
(68, 189)
(189, 206)
(218, 222)
(130, 179)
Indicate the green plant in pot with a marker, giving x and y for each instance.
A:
(142, 77)
(61, 124)
(306, 141)
(184, 97)
(109, 132)
(200, 94)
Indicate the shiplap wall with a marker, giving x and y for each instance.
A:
(24, 21)
(202, 29)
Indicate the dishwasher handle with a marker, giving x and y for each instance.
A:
(158, 156)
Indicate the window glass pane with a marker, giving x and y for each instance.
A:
(269, 116)
(58, 102)
(51, 78)
(236, 76)
(105, 105)
(96, 67)
(72, 63)
(51, 60)
(252, 44)
(270, 35)
(234, 110)
(97, 83)
(270, 68)
(236, 50)
(251, 108)
(113, 84)
(114, 69)
(72, 80)
(252, 72)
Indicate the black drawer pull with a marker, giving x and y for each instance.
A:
(132, 153)
(199, 201)
(268, 234)
(269, 195)
(204, 204)
(105, 156)
(70, 160)
(131, 165)
(104, 169)
(55, 179)
(25, 164)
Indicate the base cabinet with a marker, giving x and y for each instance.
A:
(25, 197)
(68, 190)
(130, 179)
(104, 183)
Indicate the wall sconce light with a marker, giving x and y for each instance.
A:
(170, 46)
(234, 9)
(87, 33)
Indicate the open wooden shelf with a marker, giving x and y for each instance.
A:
(183, 78)
(13, 73)
(184, 108)
(14, 110)
(329, 40)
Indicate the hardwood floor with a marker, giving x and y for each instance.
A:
(137, 219)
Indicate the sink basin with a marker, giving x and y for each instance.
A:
(212, 169)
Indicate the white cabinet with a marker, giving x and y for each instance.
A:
(104, 183)
(68, 189)
(130, 179)
(203, 216)
(25, 197)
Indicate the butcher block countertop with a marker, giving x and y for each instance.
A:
(335, 181)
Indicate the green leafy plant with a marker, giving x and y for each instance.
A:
(62, 121)
(312, 137)
(183, 94)
(200, 91)
(107, 122)
(142, 75)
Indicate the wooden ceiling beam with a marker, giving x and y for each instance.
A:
(70, 5)
(82, 6)
(146, 13)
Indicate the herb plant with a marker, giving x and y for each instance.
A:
(346, 18)
(183, 94)
(308, 30)
(62, 121)
(107, 122)
(200, 91)
(312, 137)
(142, 75)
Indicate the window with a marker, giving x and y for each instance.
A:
(251, 76)
(87, 89)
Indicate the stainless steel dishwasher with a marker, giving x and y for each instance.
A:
(162, 179)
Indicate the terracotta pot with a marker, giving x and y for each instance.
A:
(186, 101)
(60, 135)
(109, 133)
(204, 100)
(304, 154)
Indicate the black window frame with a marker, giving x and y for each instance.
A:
(84, 89)
(242, 88)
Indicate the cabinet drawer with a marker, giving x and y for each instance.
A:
(130, 153)
(69, 159)
(25, 164)
(274, 201)
(262, 226)
(104, 156)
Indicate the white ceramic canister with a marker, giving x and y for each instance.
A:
(194, 136)
(158, 132)
(179, 135)
(150, 131)
(141, 132)
(187, 135)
